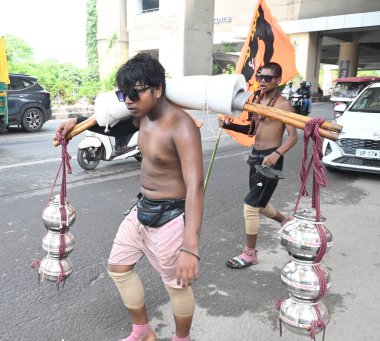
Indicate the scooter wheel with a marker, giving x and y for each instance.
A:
(88, 158)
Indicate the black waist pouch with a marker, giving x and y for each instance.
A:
(255, 159)
(155, 213)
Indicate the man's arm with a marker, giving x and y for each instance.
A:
(288, 143)
(227, 124)
(189, 147)
(292, 138)
(122, 128)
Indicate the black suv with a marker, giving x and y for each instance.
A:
(28, 103)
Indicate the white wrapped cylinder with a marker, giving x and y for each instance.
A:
(214, 93)
(109, 110)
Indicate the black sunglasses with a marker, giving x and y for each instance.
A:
(132, 94)
(265, 78)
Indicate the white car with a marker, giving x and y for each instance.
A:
(358, 146)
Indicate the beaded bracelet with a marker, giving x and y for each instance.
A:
(191, 253)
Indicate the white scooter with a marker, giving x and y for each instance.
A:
(96, 147)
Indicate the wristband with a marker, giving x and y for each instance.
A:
(191, 253)
(276, 151)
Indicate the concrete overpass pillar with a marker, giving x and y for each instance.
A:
(308, 56)
(348, 59)
(186, 36)
(112, 36)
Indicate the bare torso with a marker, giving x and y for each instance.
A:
(269, 133)
(160, 142)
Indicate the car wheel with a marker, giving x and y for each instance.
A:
(32, 120)
(89, 158)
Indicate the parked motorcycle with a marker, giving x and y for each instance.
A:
(296, 100)
(96, 147)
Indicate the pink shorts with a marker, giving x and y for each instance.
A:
(160, 245)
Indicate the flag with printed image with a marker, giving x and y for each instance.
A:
(266, 42)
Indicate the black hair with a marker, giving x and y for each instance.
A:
(276, 68)
(143, 68)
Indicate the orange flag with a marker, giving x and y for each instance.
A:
(266, 42)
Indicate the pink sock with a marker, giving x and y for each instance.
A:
(246, 257)
(138, 331)
(176, 338)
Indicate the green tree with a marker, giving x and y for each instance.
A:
(92, 49)
(18, 51)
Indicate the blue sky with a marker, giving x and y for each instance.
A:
(53, 28)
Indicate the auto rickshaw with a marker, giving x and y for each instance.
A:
(4, 80)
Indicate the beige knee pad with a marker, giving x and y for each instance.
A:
(251, 217)
(269, 211)
(183, 303)
(130, 288)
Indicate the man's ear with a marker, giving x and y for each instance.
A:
(279, 80)
(158, 92)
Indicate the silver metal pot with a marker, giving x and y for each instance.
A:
(300, 236)
(50, 268)
(52, 242)
(298, 316)
(51, 215)
(301, 280)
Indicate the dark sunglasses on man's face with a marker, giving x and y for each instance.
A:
(265, 78)
(132, 94)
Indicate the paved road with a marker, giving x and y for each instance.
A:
(231, 305)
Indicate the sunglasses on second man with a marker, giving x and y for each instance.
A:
(133, 94)
(265, 78)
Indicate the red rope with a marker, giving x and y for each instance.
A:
(319, 179)
(316, 324)
(65, 167)
(65, 163)
(319, 176)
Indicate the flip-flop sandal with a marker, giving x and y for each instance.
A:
(239, 263)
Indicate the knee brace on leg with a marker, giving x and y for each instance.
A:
(269, 211)
(251, 217)
(130, 288)
(183, 303)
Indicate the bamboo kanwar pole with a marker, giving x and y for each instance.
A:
(287, 119)
(79, 128)
(262, 109)
(328, 129)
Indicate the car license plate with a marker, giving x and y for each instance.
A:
(368, 153)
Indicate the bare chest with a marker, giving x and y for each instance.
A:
(157, 146)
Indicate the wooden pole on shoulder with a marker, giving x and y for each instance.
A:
(293, 119)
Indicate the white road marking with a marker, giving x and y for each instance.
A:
(28, 163)
(32, 163)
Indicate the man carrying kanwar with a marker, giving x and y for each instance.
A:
(266, 160)
(171, 189)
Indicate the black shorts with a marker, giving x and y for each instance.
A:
(261, 191)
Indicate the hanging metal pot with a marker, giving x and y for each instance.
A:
(52, 215)
(52, 268)
(300, 235)
(51, 243)
(301, 280)
(298, 315)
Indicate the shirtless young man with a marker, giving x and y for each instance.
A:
(171, 179)
(268, 150)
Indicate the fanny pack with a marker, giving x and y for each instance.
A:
(255, 159)
(155, 213)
